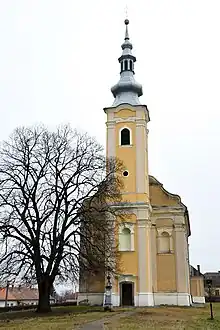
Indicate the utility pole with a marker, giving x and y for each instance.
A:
(6, 294)
(209, 282)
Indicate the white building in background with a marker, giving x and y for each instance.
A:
(20, 296)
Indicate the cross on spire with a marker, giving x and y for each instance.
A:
(126, 11)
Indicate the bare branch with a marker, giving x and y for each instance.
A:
(57, 194)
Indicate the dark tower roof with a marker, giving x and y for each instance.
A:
(127, 90)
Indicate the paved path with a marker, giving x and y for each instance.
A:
(99, 325)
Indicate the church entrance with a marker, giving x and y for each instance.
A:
(127, 294)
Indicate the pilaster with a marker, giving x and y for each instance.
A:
(145, 257)
(111, 139)
(142, 255)
(154, 258)
(141, 157)
(182, 271)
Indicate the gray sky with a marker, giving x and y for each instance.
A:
(59, 59)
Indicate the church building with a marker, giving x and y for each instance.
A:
(153, 243)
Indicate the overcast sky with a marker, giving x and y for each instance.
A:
(58, 60)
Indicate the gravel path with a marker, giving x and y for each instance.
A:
(99, 325)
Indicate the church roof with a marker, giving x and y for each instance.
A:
(127, 90)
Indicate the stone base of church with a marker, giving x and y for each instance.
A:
(198, 300)
(141, 299)
(144, 299)
(115, 299)
(155, 299)
(176, 299)
(93, 298)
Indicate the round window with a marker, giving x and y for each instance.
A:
(125, 173)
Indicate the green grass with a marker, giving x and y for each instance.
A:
(168, 318)
(61, 318)
(70, 318)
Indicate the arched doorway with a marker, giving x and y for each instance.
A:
(127, 294)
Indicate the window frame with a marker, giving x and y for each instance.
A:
(129, 226)
(160, 232)
(120, 131)
(164, 235)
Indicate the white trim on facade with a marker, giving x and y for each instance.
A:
(115, 299)
(142, 299)
(111, 138)
(145, 299)
(175, 299)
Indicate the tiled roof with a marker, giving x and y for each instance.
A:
(194, 271)
(19, 293)
(3, 294)
(215, 276)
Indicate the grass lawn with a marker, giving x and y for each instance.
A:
(168, 318)
(69, 318)
(62, 318)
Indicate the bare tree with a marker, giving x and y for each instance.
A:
(55, 192)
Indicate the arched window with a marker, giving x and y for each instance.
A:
(125, 137)
(131, 65)
(126, 237)
(125, 240)
(164, 243)
(121, 66)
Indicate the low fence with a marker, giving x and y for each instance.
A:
(31, 307)
(213, 299)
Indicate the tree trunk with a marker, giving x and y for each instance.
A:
(44, 296)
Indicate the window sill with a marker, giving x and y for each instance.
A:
(126, 146)
(169, 252)
(126, 250)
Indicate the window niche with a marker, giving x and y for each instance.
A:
(126, 65)
(126, 237)
(164, 240)
(125, 137)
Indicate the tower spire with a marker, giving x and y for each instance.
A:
(127, 90)
(126, 30)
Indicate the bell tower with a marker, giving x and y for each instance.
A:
(127, 139)
(127, 126)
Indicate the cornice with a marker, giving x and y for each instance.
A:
(126, 106)
(138, 121)
(167, 209)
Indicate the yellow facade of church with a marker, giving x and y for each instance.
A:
(154, 267)
(153, 242)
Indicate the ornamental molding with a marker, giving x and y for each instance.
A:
(144, 223)
(162, 230)
(134, 206)
(124, 120)
(128, 225)
(175, 211)
(126, 277)
(180, 227)
(110, 124)
(138, 121)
